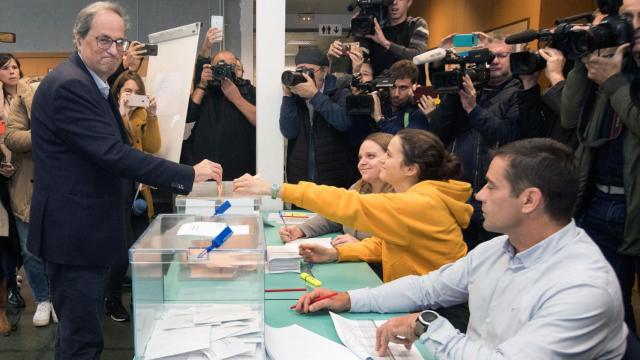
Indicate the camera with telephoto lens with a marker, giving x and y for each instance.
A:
(576, 42)
(293, 78)
(474, 63)
(362, 24)
(362, 103)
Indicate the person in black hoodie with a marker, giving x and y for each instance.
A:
(314, 119)
(476, 120)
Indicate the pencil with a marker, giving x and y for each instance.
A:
(285, 290)
(318, 299)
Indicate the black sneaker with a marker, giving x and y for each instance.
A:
(115, 310)
(14, 298)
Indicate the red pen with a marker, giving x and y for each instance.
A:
(285, 290)
(318, 299)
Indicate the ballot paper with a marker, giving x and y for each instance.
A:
(281, 259)
(295, 343)
(178, 341)
(212, 332)
(322, 241)
(210, 228)
(360, 337)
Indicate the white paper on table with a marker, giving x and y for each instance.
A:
(299, 217)
(210, 229)
(295, 343)
(226, 348)
(179, 341)
(360, 337)
(201, 228)
(357, 336)
(322, 241)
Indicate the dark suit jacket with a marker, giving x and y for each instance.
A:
(83, 171)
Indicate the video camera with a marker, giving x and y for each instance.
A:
(473, 63)
(222, 70)
(362, 24)
(293, 78)
(362, 103)
(614, 30)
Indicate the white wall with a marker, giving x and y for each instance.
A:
(270, 27)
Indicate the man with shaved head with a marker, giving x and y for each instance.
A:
(222, 106)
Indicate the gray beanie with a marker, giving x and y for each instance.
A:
(311, 55)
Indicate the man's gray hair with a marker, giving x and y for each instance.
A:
(85, 17)
(500, 39)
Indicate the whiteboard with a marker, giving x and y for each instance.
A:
(169, 77)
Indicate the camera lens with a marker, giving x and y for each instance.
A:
(219, 72)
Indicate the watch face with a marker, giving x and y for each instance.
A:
(427, 317)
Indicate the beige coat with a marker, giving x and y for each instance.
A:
(18, 140)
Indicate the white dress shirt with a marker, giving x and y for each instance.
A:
(559, 299)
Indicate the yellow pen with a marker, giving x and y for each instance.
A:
(310, 279)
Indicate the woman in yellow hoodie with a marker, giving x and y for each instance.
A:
(414, 231)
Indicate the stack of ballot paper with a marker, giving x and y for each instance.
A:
(221, 331)
(290, 217)
(322, 241)
(282, 259)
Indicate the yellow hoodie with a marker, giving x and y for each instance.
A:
(413, 232)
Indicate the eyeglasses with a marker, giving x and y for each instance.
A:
(104, 43)
(501, 55)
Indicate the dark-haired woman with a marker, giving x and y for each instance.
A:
(10, 84)
(414, 231)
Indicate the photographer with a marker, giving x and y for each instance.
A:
(477, 120)
(400, 112)
(401, 37)
(597, 100)
(224, 113)
(540, 114)
(314, 119)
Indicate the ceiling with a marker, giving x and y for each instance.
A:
(317, 6)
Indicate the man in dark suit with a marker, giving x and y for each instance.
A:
(83, 173)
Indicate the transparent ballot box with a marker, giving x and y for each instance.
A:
(193, 304)
(204, 198)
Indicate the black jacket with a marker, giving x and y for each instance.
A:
(84, 170)
(319, 152)
(493, 122)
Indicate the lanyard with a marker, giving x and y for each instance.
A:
(406, 120)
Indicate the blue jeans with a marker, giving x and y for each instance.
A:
(33, 265)
(604, 220)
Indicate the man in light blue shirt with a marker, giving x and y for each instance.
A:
(542, 291)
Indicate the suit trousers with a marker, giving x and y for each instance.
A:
(76, 294)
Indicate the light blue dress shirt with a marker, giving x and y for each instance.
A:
(103, 86)
(559, 299)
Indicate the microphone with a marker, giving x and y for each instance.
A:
(432, 55)
(522, 37)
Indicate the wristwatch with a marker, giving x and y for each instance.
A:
(423, 321)
(275, 188)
